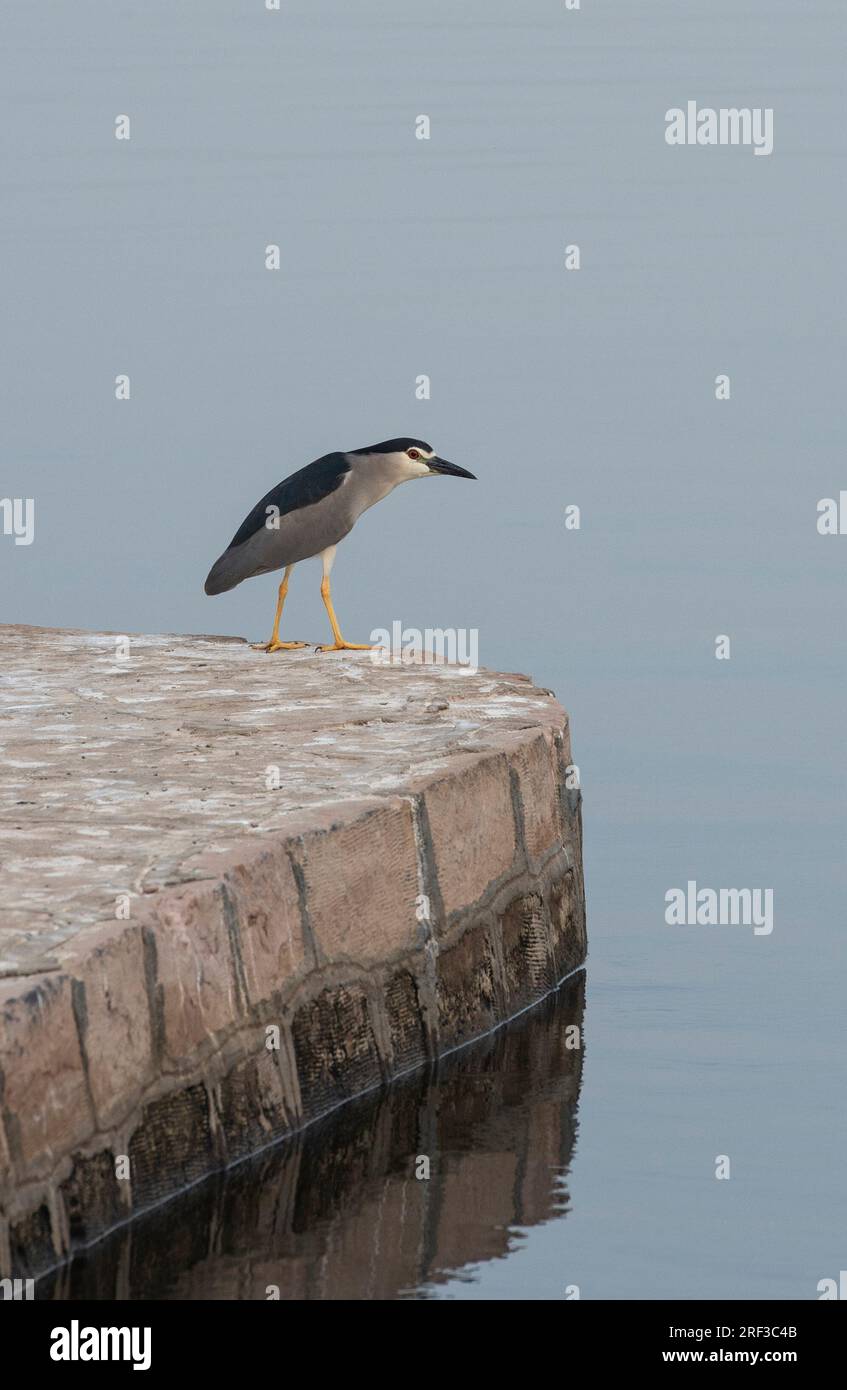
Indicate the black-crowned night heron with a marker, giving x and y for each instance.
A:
(310, 512)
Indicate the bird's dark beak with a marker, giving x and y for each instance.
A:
(437, 465)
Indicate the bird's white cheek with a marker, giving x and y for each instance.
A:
(401, 468)
(411, 468)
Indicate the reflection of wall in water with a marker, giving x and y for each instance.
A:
(337, 1212)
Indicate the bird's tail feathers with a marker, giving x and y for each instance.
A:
(223, 575)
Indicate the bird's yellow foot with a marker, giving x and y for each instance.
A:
(277, 646)
(347, 647)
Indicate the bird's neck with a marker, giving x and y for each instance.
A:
(381, 473)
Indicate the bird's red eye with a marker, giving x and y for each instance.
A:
(413, 453)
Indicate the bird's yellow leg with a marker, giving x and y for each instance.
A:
(275, 645)
(339, 645)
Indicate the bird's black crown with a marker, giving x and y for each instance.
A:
(394, 446)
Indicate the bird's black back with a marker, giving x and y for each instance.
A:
(308, 485)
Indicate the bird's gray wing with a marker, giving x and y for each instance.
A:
(308, 485)
(256, 549)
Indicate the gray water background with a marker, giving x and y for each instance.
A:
(401, 257)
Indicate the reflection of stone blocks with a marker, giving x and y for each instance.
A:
(389, 1226)
(537, 1198)
(476, 1209)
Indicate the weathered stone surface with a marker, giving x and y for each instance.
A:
(198, 992)
(31, 1242)
(535, 763)
(200, 843)
(360, 877)
(45, 1095)
(173, 1146)
(94, 1198)
(263, 909)
(528, 964)
(470, 996)
(113, 1019)
(567, 923)
(406, 1020)
(335, 1047)
(474, 835)
(252, 1104)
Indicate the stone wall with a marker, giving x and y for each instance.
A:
(340, 1210)
(410, 879)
